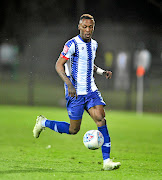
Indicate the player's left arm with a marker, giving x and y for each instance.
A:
(106, 73)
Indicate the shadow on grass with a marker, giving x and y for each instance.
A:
(33, 170)
(38, 170)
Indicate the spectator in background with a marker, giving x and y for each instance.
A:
(143, 58)
(9, 59)
(121, 75)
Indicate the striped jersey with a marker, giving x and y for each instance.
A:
(80, 64)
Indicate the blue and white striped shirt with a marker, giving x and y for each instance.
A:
(80, 64)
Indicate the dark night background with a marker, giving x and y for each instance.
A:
(40, 28)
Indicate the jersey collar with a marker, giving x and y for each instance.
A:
(83, 40)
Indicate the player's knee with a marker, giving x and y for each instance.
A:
(100, 116)
(74, 131)
(101, 122)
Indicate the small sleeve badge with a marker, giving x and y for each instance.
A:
(66, 48)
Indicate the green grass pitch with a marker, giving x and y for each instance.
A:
(136, 143)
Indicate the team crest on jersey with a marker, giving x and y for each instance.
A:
(66, 48)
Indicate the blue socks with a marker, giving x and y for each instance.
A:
(58, 126)
(107, 144)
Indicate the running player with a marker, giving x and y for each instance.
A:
(76, 67)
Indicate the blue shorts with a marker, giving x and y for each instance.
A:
(75, 107)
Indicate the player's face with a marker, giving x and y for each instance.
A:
(86, 27)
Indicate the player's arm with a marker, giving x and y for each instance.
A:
(107, 74)
(61, 71)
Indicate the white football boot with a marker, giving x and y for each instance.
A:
(38, 128)
(110, 165)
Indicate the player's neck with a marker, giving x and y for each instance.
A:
(85, 40)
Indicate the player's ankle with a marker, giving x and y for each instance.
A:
(106, 160)
(43, 123)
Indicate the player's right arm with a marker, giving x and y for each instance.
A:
(61, 71)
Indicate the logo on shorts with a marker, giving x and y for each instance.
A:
(66, 48)
(69, 112)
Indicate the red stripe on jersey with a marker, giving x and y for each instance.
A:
(64, 57)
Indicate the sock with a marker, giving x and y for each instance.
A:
(58, 126)
(107, 144)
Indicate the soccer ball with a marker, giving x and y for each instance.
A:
(93, 139)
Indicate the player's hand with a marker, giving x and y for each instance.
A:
(108, 74)
(72, 91)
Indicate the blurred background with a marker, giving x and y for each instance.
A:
(33, 33)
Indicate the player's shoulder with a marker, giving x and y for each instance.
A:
(94, 42)
(75, 41)
(70, 42)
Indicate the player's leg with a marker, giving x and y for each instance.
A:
(75, 110)
(42, 122)
(57, 126)
(74, 126)
(98, 115)
(63, 127)
(94, 106)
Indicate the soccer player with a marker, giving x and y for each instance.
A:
(76, 67)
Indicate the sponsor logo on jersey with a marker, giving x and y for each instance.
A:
(66, 48)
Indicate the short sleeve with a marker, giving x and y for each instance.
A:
(68, 50)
